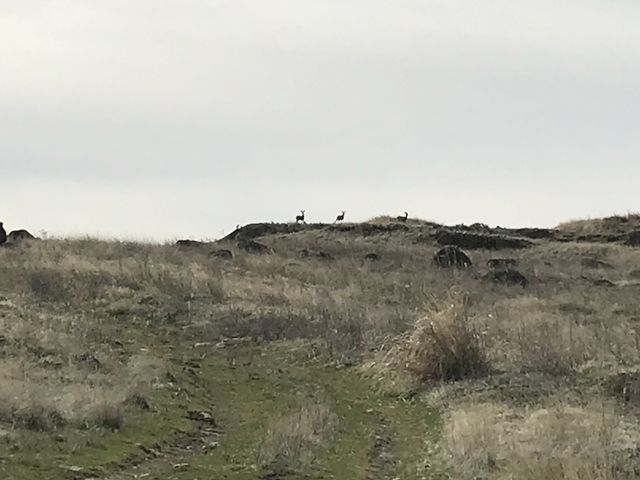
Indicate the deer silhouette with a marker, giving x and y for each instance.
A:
(340, 217)
(300, 218)
(403, 219)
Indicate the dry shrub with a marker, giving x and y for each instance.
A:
(443, 345)
(290, 440)
(493, 441)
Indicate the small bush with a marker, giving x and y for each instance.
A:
(443, 345)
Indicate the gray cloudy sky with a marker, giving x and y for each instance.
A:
(155, 119)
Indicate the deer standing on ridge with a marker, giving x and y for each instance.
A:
(340, 217)
(403, 219)
(300, 218)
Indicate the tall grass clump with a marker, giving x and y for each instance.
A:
(443, 345)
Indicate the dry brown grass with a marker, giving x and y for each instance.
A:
(62, 360)
(291, 440)
(555, 442)
(62, 303)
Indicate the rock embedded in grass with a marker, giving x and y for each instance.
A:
(451, 256)
(222, 253)
(479, 240)
(497, 263)
(507, 276)
(252, 246)
(306, 253)
(190, 243)
(19, 235)
(634, 239)
(595, 263)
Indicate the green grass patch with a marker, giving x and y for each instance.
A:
(250, 386)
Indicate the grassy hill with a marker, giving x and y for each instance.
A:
(323, 351)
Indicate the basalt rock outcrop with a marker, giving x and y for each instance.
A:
(451, 256)
(507, 276)
(479, 240)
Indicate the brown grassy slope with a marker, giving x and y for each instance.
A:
(617, 224)
(62, 360)
(550, 348)
(555, 348)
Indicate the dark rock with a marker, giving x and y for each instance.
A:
(3, 234)
(305, 253)
(372, 256)
(51, 361)
(471, 240)
(601, 238)
(592, 262)
(255, 230)
(598, 282)
(497, 263)
(634, 239)
(483, 227)
(533, 233)
(371, 229)
(222, 253)
(625, 386)
(202, 417)
(251, 246)
(507, 276)
(90, 361)
(451, 257)
(19, 235)
(138, 401)
(191, 243)
(148, 300)
(602, 282)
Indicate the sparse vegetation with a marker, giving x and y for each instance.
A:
(249, 364)
(560, 441)
(290, 440)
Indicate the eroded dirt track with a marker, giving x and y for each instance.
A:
(156, 461)
(380, 456)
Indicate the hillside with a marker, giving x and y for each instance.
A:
(325, 351)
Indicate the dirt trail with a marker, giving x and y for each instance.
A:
(380, 458)
(156, 461)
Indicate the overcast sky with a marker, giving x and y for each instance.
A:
(158, 119)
